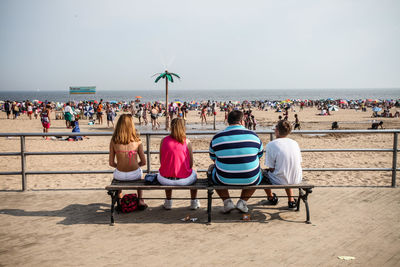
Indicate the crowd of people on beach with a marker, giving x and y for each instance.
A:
(94, 111)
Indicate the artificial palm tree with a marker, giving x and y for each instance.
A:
(169, 77)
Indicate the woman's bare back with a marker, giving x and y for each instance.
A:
(127, 156)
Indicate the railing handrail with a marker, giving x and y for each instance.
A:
(210, 132)
(23, 153)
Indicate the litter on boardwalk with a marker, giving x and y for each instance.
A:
(188, 219)
(347, 258)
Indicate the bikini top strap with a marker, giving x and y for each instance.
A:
(131, 154)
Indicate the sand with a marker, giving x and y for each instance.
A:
(56, 223)
(348, 119)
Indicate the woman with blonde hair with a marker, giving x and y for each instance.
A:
(125, 147)
(176, 163)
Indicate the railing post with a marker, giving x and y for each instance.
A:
(394, 165)
(23, 163)
(271, 137)
(148, 152)
(214, 120)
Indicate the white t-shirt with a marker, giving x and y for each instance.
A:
(68, 109)
(283, 154)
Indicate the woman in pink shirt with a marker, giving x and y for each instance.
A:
(176, 160)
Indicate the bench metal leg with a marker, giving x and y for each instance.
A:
(298, 199)
(304, 198)
(114, 197)
(210, 192)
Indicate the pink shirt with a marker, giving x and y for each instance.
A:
(175, 159)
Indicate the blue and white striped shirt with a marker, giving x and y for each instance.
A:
(236, 152)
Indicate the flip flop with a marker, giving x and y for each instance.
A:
(142, 207)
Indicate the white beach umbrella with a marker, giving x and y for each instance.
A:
(333, 108)
(88, 112)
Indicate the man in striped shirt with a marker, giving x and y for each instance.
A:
(236, 152)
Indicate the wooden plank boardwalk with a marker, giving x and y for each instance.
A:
(58, 228)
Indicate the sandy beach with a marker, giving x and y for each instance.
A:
(60, 221)
(348, 119)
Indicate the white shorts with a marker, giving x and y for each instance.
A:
(183, 181)
(128, 176)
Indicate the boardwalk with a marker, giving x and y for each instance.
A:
(69, 228)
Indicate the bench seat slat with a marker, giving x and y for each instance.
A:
(201, 184)
(263, 186)
(139, 184)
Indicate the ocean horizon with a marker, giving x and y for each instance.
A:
(204, 95)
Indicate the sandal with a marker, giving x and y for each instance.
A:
(142, 206)
(273, 200)
(292, 204)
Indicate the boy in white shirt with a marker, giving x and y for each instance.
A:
(283, 157)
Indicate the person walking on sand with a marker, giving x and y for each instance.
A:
(125, 148)
(45, 119)
(110, 113)
(154, 117)
(203, 113)
(296, 122)
(29, 110)
(171, 111)
(68, 114)
(8, 108)
(283, 157)
(236, 152)
(99, 111)
(176, 163)
(144, 114)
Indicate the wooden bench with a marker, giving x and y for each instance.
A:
(202, 184)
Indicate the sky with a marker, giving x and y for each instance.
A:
(225, 44)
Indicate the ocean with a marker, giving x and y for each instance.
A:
(204, 95)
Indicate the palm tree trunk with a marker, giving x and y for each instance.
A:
(166, 105)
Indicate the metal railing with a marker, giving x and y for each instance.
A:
(23, 153)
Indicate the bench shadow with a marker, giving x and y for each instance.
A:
(99, 213)
(275, 212)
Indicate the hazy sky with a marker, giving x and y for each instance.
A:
(226, 44)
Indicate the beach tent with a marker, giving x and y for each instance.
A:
(333, 108)
(376, 109)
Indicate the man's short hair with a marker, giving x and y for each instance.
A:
(284, 128)
(235, 116)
